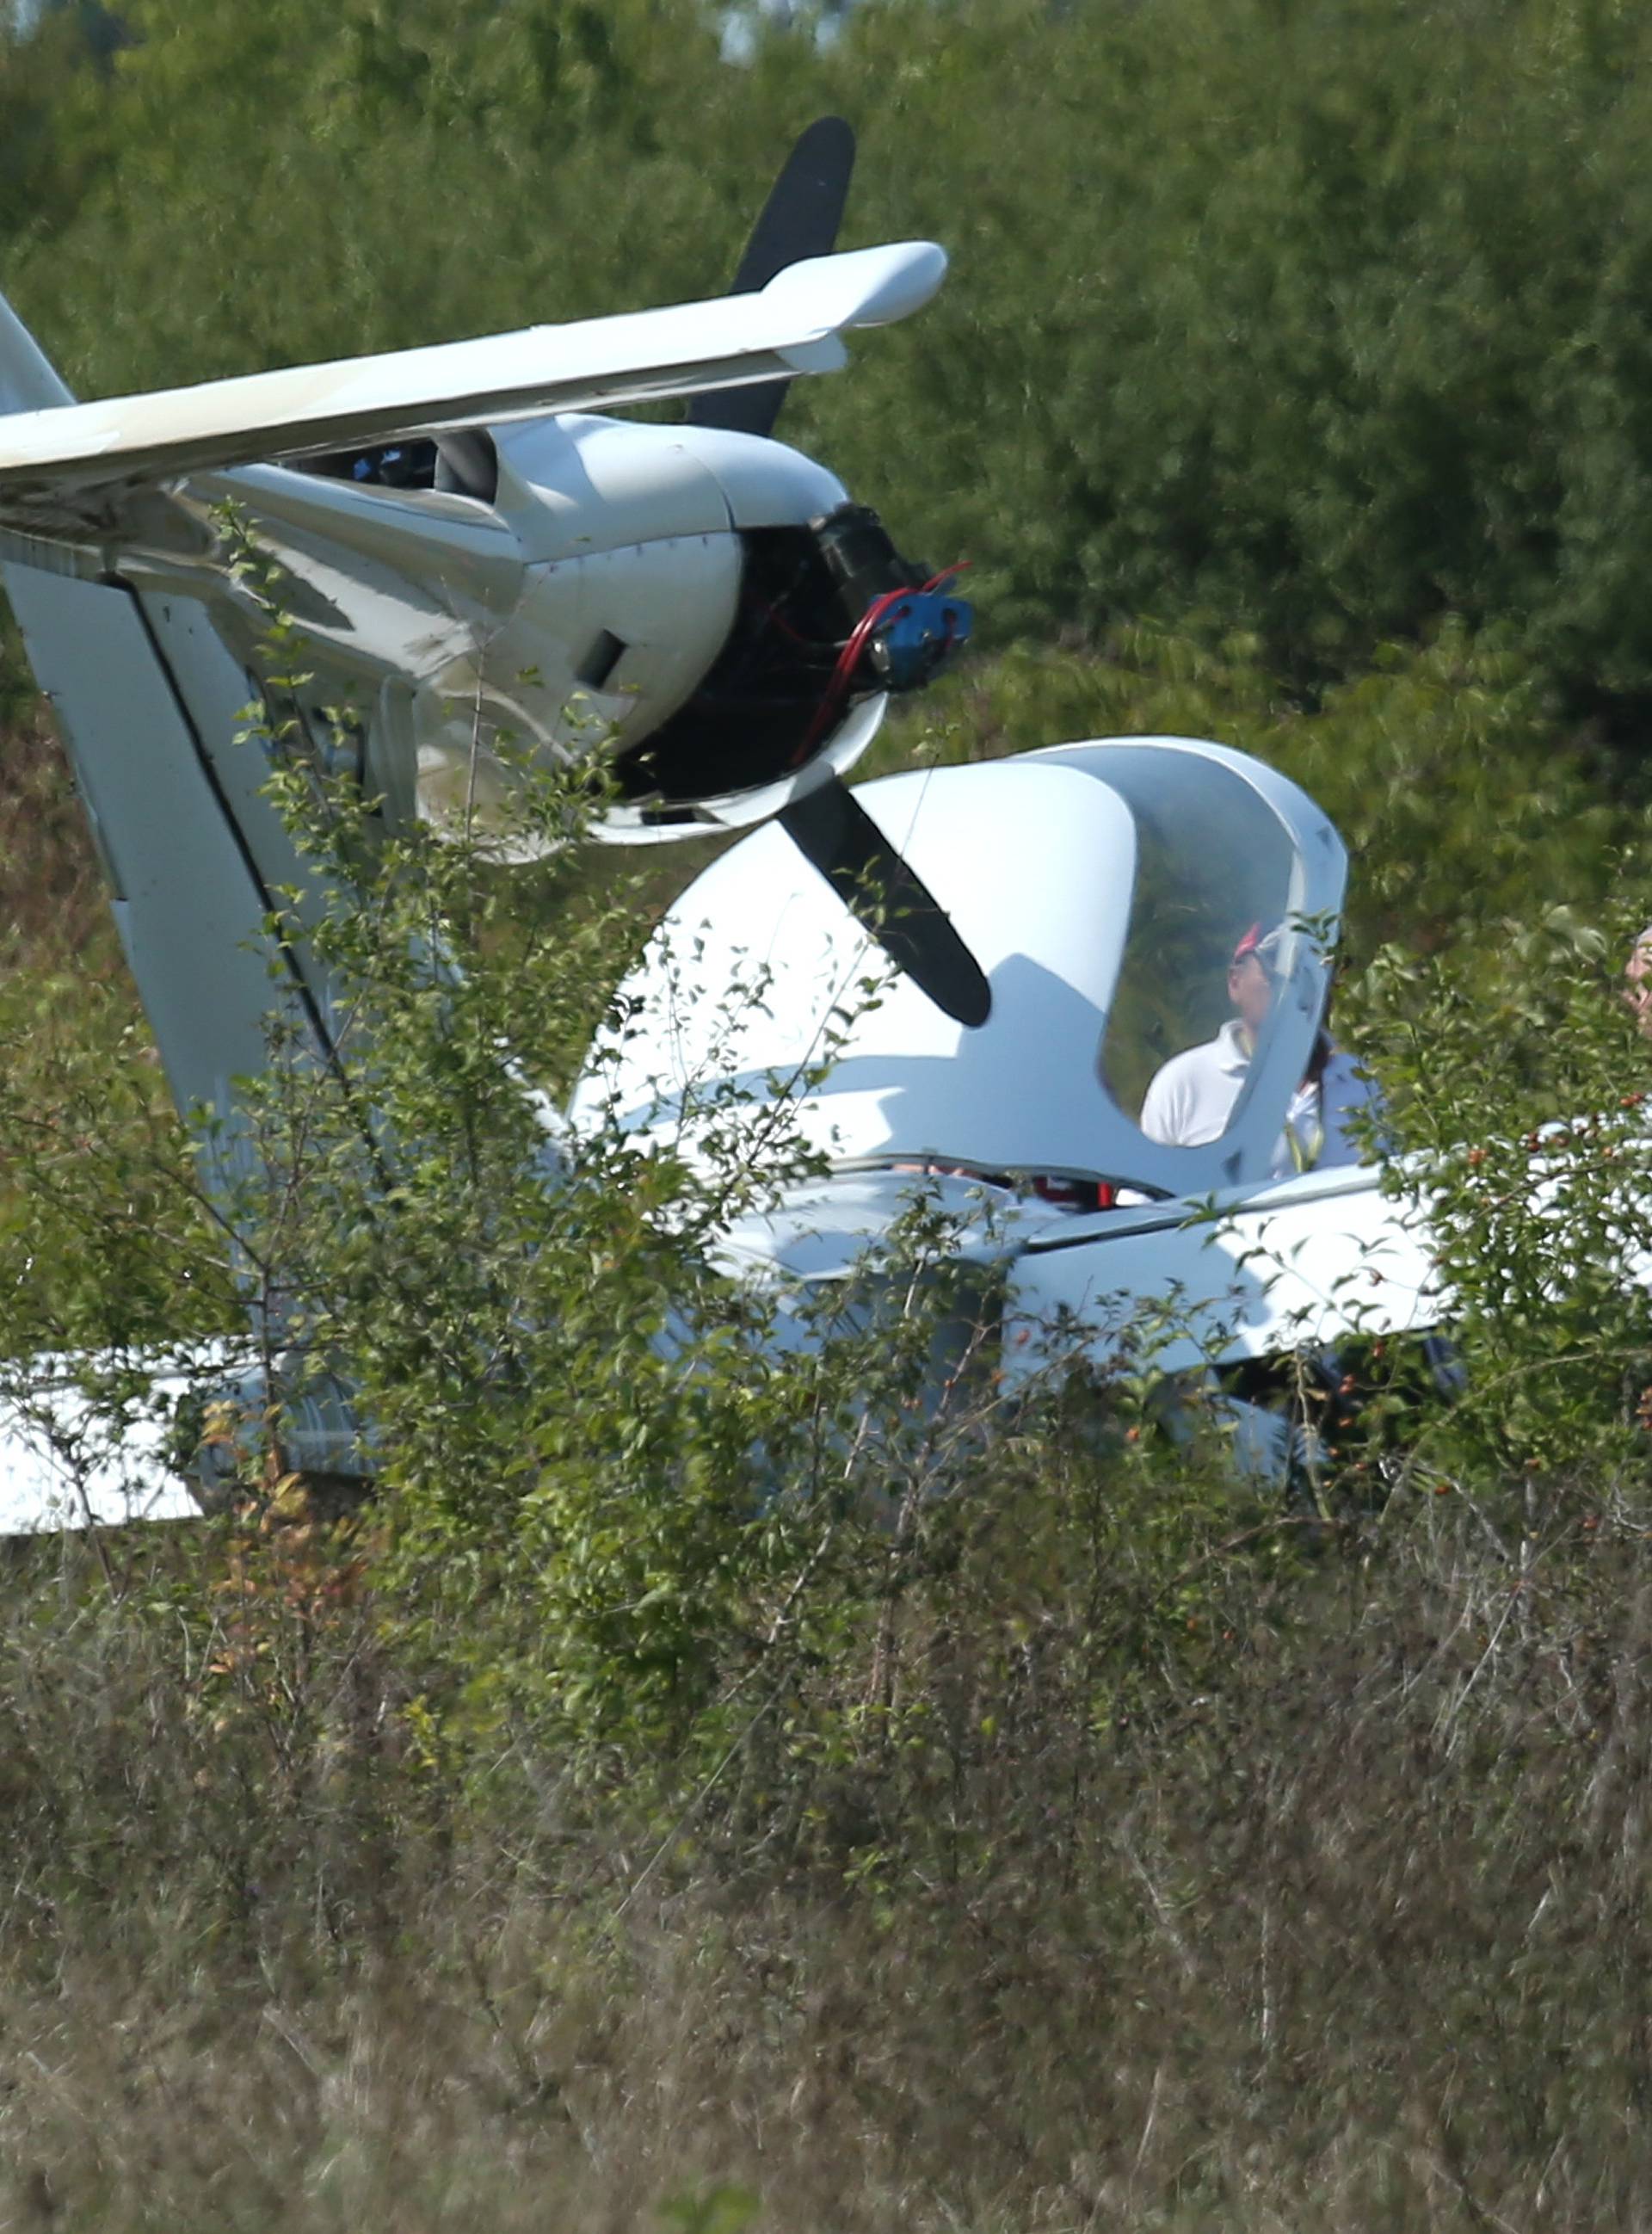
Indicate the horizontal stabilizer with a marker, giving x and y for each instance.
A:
(62, 465)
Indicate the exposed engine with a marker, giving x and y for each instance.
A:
(828, 613)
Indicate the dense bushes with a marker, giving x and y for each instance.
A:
(1321, 319)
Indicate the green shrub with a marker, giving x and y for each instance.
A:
(1319, 320)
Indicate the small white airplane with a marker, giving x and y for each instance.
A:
(471, 551)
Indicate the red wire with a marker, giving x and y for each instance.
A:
(950, 573)
(843, 673)
(848, 659)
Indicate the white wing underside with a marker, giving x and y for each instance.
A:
(70, 464)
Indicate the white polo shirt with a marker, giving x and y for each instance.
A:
(1192, 1098)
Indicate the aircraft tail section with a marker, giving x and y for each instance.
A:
(29, 380)
(187, 901)
(147, 700)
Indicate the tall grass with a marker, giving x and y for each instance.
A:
(1342, 1924)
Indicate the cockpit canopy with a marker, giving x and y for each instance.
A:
(1103, 887)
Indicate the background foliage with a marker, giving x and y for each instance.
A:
(1320, 317)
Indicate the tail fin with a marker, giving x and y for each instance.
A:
(28, 382)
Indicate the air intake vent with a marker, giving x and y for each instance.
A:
(600, 661)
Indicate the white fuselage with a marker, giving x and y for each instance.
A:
(577, 611)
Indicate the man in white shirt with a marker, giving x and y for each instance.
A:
(1191, 1097)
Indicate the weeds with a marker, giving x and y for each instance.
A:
(1332, 1915)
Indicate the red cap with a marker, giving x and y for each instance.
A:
(1249, 943)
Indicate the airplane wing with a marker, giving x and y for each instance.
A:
(64, 465)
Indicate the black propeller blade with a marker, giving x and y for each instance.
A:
(800, 219)
(829, 827)
(833, 830)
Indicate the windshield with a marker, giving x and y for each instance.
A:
(1214, 866)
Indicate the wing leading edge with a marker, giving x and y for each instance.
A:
(58, 462)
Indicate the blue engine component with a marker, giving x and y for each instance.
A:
(919, 634)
